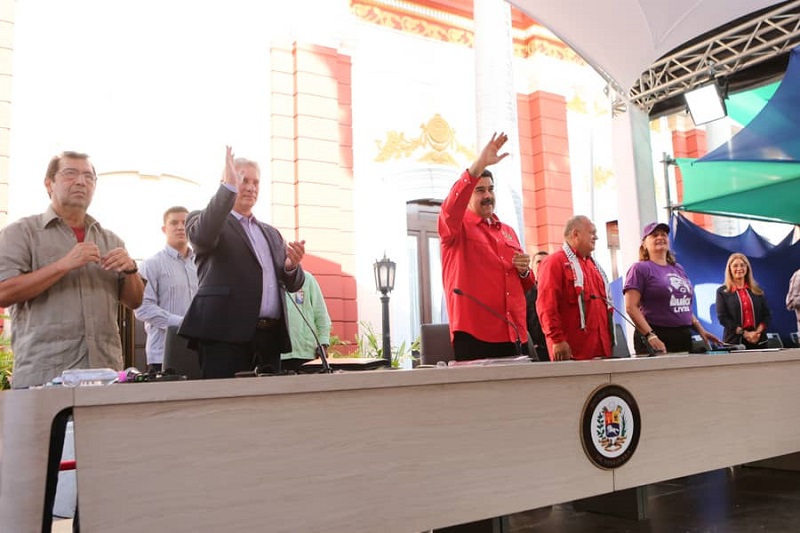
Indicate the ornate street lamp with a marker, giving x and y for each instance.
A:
(384, 283)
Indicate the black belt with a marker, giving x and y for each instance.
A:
(267, 323)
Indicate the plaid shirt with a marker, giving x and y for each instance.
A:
(793, 296)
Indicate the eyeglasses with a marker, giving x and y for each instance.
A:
(73, 173)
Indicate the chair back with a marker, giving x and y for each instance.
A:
(179, 357)
(774, 340)
(698, 345)
(620, 349)
(795, 339)
(434, 345)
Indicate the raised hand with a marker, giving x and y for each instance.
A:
(489, 154)
(230, 176)
(294, 254)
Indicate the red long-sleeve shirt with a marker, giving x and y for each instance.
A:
(476, 258)
(557, 305)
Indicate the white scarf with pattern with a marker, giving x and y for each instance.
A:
(575, 264)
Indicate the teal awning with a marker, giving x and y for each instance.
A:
(744, 106)
(762, 190)
(756, 174)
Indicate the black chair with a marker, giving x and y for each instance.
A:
(139, 343)
(795, 339)
(774, 340)
(698, 345)
(434, 344)
(620, 349)
(179, 357)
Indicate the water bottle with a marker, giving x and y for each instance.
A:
(89, 377)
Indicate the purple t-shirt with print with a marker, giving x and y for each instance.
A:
(666, 293)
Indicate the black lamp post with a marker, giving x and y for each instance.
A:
(384, 282)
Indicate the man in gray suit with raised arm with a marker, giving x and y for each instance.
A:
(238, 316)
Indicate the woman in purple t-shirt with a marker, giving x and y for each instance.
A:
(658, 297)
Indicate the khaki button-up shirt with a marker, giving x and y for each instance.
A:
(73, 324)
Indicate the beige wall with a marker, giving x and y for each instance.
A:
(6, 52)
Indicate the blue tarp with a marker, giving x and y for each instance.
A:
(705, 254)
(774, 134)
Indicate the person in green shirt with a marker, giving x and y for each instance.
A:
(311, 302)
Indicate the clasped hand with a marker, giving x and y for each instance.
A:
(84, 253)
(522, 262)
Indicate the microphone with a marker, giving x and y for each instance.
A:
(518, 342)
(323, 355)
(650, 351)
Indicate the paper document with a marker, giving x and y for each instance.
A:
(492, 361)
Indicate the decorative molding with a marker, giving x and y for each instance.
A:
(588, 106)
(602, 176)
(448, 27)
(543, 46)
(410, 23)
(437, 137)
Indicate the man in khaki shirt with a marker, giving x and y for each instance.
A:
(63, 275)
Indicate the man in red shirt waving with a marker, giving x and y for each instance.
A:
(484, 268)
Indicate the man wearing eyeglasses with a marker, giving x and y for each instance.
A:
(63, 275)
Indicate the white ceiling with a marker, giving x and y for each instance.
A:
(622, 38)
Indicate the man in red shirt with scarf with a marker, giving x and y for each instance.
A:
(484, 268)
(573, 297)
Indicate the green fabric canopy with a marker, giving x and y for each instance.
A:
(743, 106)
(761, 190)
(756, 173)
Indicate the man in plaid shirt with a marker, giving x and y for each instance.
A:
(793, 296)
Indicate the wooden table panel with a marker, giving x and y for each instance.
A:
(385, 450)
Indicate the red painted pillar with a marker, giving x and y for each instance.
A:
(546, 177)
(312, 169)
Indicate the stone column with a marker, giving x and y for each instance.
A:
(496, 103)
(633, 164)
(636, 201)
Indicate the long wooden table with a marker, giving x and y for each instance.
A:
(385, 451)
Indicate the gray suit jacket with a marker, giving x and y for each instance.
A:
(228, 297)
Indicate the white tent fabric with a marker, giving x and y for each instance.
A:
(622, 38)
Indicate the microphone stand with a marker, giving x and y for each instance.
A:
(323, 354)
(518, 342)
(650, 351)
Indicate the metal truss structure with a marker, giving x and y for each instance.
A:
(731, 49)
